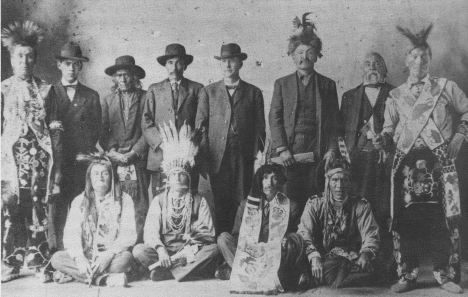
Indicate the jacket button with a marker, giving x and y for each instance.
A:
(225, 122)
(222, 137)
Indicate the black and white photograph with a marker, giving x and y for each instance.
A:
(234, 147)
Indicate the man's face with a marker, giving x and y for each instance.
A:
(100, 179)
(418, 61)
(178, 180)
(374, 69)
(124, 79)
(22, 61)
(339, 185)
(70, 69)
(304, 57)
(270, 184)
(231, 67)
(175, 68)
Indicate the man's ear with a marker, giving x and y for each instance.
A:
(58, 63)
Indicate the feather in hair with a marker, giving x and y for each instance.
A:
(26, 33)
(419, 38)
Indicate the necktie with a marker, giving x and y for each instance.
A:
(175, 95)
(70, 86)
(266, 209)
(231, 87)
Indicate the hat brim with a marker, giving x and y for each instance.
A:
(242, 56)
(188, 59)
(137, 70)
(83, 59)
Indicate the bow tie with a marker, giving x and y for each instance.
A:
(70, 86)
(374, 86)
(231, 87)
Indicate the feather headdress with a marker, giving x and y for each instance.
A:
(25, 33)
(418, 39)
(304, 32)
(179, 148)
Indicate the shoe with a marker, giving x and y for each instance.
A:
(44, 275)
(223, 272)
(160, 274)
(61, 278)
(117, 280)
(452, 288)
(403, 285)
(9, 272)
(16, 259)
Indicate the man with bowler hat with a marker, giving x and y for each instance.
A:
(231, 111)
(175, 99)
(79, 109)
(122, 138)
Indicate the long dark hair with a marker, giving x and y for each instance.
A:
(88, 206)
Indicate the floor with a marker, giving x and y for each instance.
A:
(29, 286)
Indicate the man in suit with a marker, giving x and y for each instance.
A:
(303, 114)
(176, 99)
(79, 110)
(231, 112)
(122, 138)
(362, 113)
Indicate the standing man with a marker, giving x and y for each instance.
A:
(176, 99)
(30, 171)
(421, 118)
(303, 114)
(362, 112)
(79, 110)
(231, 111)
(122, 138)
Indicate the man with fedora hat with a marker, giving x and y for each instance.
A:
(79, 109)
(232, 113)
(176, 99)
(122, 138)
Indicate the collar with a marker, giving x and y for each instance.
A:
(101, 200)
(172, 81)
(235, 85)
(66, 83)
(411, 81)
(300, 75)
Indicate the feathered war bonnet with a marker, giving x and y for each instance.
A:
(26, 33)
(417, 40)
(179, 147)
(304, 33)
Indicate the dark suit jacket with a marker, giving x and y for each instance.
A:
(283, 112)
(351, 117)
(118, 133)
(214, 114)
(158, 110)
(81, 120)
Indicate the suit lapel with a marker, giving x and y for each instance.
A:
(116, 108)
(239, 93)
(223, 92)
(183, 92)
(167, 92)
(356, 108)
(78, 101)
(291, 88)
(134, 109)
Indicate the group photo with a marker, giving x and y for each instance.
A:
(209, 148)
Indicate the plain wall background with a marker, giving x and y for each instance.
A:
(106, 29)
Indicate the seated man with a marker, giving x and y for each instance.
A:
(263, 233)
(340, 231)
(99, 231)
(179, 233)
